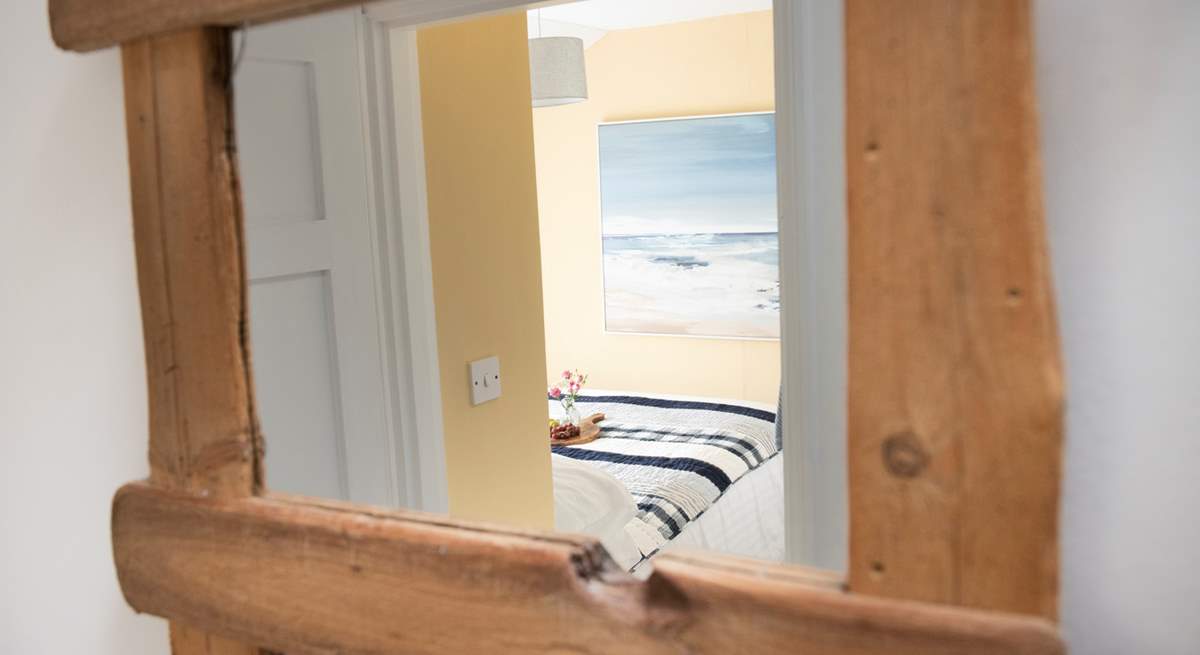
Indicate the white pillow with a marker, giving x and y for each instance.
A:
(591, 502)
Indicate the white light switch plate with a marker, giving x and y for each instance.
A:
(485, 380)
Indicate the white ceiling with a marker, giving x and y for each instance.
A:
(591, 19)
(627, 14)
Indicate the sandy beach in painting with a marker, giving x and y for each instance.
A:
(718, 285)
(688, 219)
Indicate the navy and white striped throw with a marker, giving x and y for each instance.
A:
(676, 457)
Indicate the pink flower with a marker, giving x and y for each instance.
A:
(566, 375)
(555, 392)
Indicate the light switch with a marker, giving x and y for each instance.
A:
(485, 380)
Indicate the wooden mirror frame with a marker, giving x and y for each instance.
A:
(955, 399)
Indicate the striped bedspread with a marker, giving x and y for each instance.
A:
(676, 457)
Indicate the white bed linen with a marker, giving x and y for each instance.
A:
(747, 520)
(592, 502)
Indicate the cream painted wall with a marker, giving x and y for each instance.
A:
(711, 66)
(483, 233)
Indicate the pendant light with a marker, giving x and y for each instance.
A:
(557, 75)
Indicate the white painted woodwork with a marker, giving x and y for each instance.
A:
(405, 275)
(810, 117)
(315, 322)
(292, 327)
(280, 154)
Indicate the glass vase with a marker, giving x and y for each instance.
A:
(570, 412)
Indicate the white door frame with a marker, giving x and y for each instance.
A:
(400, 224)
(810, 154)
(810, 117)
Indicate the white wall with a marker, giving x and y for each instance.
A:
(72, 393)
(1119, 86)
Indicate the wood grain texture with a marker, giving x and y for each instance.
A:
(84, 25)
(589, 431)
(317, 577)
(187, 230)
(955, 390)
(186, 640)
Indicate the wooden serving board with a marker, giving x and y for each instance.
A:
(589, 430)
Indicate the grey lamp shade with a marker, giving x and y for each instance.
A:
(556, 71)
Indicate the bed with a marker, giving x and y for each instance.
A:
(673, 472)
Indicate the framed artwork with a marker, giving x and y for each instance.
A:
(689, 226)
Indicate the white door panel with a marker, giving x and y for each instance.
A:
(315, 323)
(292, 330)
(277, 250)
(280, 150)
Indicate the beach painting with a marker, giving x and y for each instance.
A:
(689, 226)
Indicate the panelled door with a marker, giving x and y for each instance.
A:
(319, 372)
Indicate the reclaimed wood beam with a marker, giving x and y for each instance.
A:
(302, 576)
(84, 25)
(955, 384)
(188, 240)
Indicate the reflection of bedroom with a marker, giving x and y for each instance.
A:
(657, 223)
(406, 258)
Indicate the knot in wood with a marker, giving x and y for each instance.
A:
(904, 456)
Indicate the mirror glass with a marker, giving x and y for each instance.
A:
(522, 268)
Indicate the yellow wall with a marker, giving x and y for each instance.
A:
(483, 233)
(712, 66)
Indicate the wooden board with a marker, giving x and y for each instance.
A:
(955, 389)
(187, 228)
(303, 576)
(589, 431)
(91, 24)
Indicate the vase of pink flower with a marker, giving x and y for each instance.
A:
(566, 392)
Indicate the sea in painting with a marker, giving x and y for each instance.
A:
(716, 284)
(688, 219)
